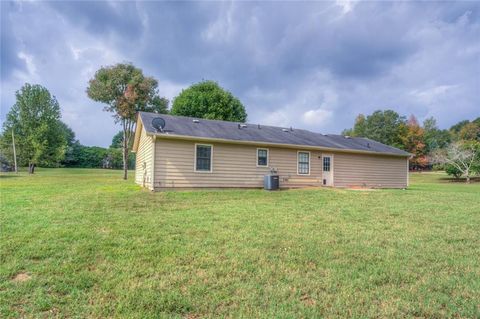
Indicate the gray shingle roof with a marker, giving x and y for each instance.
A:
(185, 126)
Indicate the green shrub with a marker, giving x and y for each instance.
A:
(453, 171)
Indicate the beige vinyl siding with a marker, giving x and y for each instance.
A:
(144, 160)
(285, 160)
(369, 170)
(233, 165)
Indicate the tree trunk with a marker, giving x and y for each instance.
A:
(31, 168)
(14, 152)
(125, 154)
(468, 179)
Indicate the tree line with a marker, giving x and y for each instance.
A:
(40, 137)
(456, 150)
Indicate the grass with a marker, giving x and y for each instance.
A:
(84, 243)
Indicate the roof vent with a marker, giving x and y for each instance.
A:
(285, 130)
(195, 121)
(368, 145)
(291, 129)
(242, 125)
(346, 136)
(259, 127)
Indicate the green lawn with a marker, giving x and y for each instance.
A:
(84, 243)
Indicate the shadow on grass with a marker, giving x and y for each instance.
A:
(9, 175)
(459, 180)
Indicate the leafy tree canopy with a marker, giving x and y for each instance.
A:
(466, 130)
(434, 137)
(35, 120)
(413, 142)
(470, 132)
(159, 105)
(97, 157)
(457, 127)
(117, 141)
(68, 133)
(208, 100)
(125, 91)
(386, 126)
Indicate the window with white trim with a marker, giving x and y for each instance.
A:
(262, 157)
(303, 163)
(203, 158)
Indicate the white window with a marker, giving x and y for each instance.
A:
(303, 164)
(262, 157)
(326, 164)
(203, 158)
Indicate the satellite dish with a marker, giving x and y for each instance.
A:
(158, 123)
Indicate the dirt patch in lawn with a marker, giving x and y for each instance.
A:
(21, 277)
(307, 300)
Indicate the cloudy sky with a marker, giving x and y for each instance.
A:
(312, 65)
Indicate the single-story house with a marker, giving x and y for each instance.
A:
(184, 152)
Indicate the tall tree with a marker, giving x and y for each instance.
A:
(72, 145)
(208, 100)
(125, 91)
(470, 132)
(414, 142)
(386, 126)
(358, 129)
(360, 125)
(35, 121)
(457, 127)
(434, 137)
(160, 104)
(68, 133)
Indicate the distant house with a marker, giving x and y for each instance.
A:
(184, 152)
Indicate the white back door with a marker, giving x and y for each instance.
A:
(327, 169)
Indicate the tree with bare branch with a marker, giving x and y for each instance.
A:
(126, 91)
(464, 156)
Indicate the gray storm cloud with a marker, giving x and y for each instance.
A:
(308, 65)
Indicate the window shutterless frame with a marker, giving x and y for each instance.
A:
(301, 164)
(195, 161)
(267, 157)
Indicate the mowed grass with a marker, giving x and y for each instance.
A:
(84, 243)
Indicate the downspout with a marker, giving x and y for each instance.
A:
(408, 170)
(153, 164)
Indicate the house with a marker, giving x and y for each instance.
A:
(184, 152)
